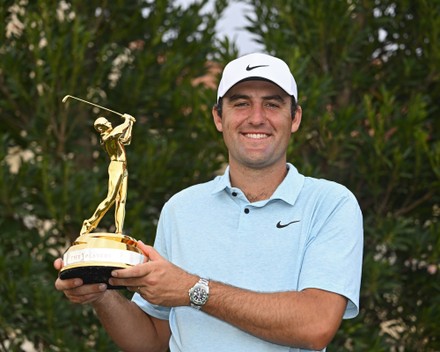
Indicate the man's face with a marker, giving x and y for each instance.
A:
(256, 123)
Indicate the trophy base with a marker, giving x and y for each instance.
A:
(92, 275)
(93, 257)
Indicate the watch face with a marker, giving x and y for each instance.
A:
(199, 296)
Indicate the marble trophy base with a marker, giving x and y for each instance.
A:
(93, 256)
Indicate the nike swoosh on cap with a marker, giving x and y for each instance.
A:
(280, 225)
(250, 68)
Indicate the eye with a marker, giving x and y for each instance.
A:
(272, 105)
(239, 104)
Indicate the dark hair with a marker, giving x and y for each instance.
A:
(293, 107)
(219, 107)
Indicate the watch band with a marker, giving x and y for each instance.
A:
(204, 281)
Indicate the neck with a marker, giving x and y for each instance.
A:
(257, 184)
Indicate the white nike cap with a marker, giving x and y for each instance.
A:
(255, 66)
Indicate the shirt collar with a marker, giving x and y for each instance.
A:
(288, 190)
(222, 182)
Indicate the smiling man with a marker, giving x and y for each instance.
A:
(261, 258)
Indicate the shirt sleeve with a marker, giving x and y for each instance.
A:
(156, 311)
(333, 255)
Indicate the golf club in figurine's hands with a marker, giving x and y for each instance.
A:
(94, 255)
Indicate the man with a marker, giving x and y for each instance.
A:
(113, 141)
(259, 259)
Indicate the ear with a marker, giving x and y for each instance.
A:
(296, 120)
(217, 119)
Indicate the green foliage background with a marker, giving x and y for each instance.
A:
(368, 74)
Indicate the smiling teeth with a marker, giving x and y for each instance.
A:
(256, 135)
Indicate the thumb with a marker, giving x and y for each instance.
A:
(58, 264)
(149, 251)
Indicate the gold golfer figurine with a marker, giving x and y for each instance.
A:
(113, 140)
(93, 255)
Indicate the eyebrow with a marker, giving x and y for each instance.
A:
(276, 97)
(235, 97)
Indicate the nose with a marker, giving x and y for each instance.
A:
(257, 116)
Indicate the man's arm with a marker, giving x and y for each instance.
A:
(309, 318)
(129, 327)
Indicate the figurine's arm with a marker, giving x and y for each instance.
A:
(126, 135)
(123, 131)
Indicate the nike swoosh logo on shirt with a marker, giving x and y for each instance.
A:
(280, 225)
(250, 68)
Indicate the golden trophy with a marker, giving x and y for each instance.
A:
(93, 255)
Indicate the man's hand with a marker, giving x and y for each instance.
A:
(74, 289)
(158, 281)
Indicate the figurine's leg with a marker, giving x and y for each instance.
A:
(121, 198)
(86, 227)
(115, 179)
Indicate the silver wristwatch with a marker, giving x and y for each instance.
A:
(199, 294)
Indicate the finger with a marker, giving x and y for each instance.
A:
(143, 247)
(132, 272)
(58, 264)
(149, 251)
(139, 270)
(68, 284)
(85, 290)
(131, 283)
(86, 293)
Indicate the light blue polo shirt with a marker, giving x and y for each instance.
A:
(307, 235)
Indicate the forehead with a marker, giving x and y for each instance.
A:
(256, 87)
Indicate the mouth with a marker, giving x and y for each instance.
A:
(256, 135)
